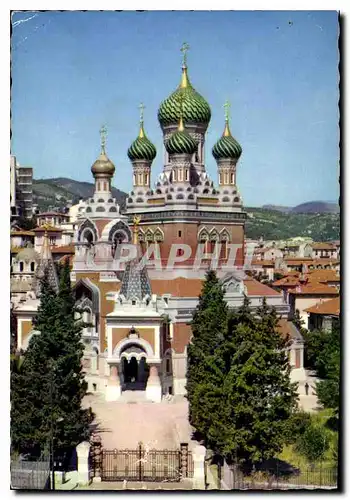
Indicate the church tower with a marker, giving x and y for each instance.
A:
(185, 207)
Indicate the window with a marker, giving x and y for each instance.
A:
(140, 179)
(220, 178)
(134, 176)
(52, 240)
(232, 178)
(133, 302)
(32, 267)
(94, 386)
(21, 266)
(179, 233)
(187, 175)
(174, 175)
(170, 390)
(167, 364)
(146, 179)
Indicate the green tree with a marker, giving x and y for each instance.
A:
(297, 424)
(243, 395)
(313, 443)
(47, 396)
(323, 351)
(209, 325)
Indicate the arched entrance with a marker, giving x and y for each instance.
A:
(135, 370)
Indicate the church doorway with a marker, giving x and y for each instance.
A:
(135, 370)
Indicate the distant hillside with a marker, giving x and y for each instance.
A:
(275, 225)
(55, 193)
(270, 223)
(313, 207)
(310, 207)
(279, 208)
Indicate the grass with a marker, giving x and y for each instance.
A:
(290, 455)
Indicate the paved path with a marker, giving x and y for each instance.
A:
(104, 486)
(123, 425)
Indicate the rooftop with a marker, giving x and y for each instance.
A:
(327, 307)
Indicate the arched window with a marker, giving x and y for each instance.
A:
(32, 267)
(88, 236)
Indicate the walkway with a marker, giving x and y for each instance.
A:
(124, 424)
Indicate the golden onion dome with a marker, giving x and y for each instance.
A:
(103, 164)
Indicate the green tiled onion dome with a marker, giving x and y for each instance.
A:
(180, 142)
(142, 148)
(227, 146)
(195, 107)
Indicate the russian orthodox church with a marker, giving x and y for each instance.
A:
(140, 316)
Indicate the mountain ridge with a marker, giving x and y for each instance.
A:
(267, 221)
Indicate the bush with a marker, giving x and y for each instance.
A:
(313, 443)
(297, 425)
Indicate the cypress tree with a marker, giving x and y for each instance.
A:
(51, 386)
(209, 325)
(240, 393)
(258, 396)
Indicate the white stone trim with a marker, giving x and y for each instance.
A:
(124, 343)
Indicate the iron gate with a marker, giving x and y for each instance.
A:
(141, 464)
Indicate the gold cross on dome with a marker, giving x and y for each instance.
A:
(141, 108)
(227, 106)
(185, 47)
(103, 134)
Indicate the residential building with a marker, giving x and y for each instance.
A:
(324, 314)
(21, 190)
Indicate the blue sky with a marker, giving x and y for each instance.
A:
(73, 71)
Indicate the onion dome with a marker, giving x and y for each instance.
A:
(227, 146)
(195, 107)
(103, 164)
(180, 142)
(142, 148)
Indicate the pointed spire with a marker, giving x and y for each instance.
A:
(184, 78)
(142, 132)
(46, 263)
(103, 134)
(227, 132)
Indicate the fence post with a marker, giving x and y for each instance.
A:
(184, 459)
(83, 450)
(198, 467)
(140, 461)
(97, 458)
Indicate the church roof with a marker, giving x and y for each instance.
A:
(135, 283)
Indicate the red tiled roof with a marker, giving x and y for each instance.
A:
(254, 287)
(263, 262)
(323, 246)
(326, 307)
(67, 249)
(287, 281)
(314, 289)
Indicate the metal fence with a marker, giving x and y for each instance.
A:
(30, 474)
(274, 479)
